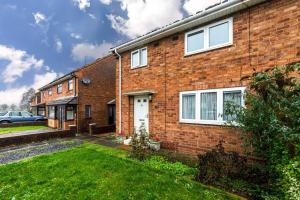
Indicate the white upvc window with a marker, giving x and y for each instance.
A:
(139, 58)
(208, 106)
(212, 36)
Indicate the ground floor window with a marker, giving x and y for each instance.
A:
(88, 111)
(70, 113)
(209, 106)
(51, 112)
(41, 111)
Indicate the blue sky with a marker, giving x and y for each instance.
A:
(43, 39)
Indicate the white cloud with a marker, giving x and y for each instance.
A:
(106, 2)
(14, 95)
(76, 36)
(92, 16)
(144, 16)
(19, 62)
(39, 17)
(82, 4)
(43, 79)
(86, 50)
(58, 45)
(193, 6)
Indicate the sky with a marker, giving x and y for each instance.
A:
(41, 40)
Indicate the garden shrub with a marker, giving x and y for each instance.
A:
(289, 182)
(218, 164)
(140, 144)
(271, 125)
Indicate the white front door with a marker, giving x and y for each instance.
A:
(141, 112)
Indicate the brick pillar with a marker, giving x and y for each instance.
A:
(73, 129)
(92, 128)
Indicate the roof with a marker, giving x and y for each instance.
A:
(63, 101)
(39, 105)
(58, 80)
(216, 11)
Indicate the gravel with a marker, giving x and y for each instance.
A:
(16, 153)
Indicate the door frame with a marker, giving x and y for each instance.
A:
(148, 111)
(61, 116)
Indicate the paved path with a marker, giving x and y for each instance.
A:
(29, 132)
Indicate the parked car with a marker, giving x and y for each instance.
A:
(2, 113)
(20, 116)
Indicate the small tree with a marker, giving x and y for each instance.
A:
(140, 143)
(271, 119)
(13, 107)
(4, 107)
(26, 99)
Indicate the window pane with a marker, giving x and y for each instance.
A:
(208, 106)
(188, 106)
(219, 34)
(231, 102)
(195, 41)
(135, 59)
(70, 113)
(51, 112)
(88, 111)
(144, 57)
(70, 84)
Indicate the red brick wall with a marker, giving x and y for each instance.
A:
(65, 92)
(264, 36)
(98, 93)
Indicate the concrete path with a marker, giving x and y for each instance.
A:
(29, 132)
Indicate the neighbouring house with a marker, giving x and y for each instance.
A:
(176, 80)
(37, 107)
(81, 97)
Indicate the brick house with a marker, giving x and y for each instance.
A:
(80, 97)
(177, 79)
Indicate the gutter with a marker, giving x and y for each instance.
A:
(120, 89)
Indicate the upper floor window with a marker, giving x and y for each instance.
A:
(139, 58)
(59, 88)
(88, 111)
(70, 84)
(210, 106)
(210, 37)
(50, 91)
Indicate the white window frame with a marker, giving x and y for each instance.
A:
(72, 84)
(220, 110)
(49, 91)
(139, 58)
(59, 86)
(205, 29)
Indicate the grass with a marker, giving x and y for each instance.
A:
(21, 128)
(96, 172)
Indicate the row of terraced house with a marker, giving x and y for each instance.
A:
(176, 80)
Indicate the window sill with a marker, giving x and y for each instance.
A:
(142, 66)
(214, 123)
(186, 54)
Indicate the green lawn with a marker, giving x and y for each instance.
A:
(96, 172)
(21, 128)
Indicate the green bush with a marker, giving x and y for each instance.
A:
(217, 164)
(140, 144)
(289, 181)
(271, 123)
